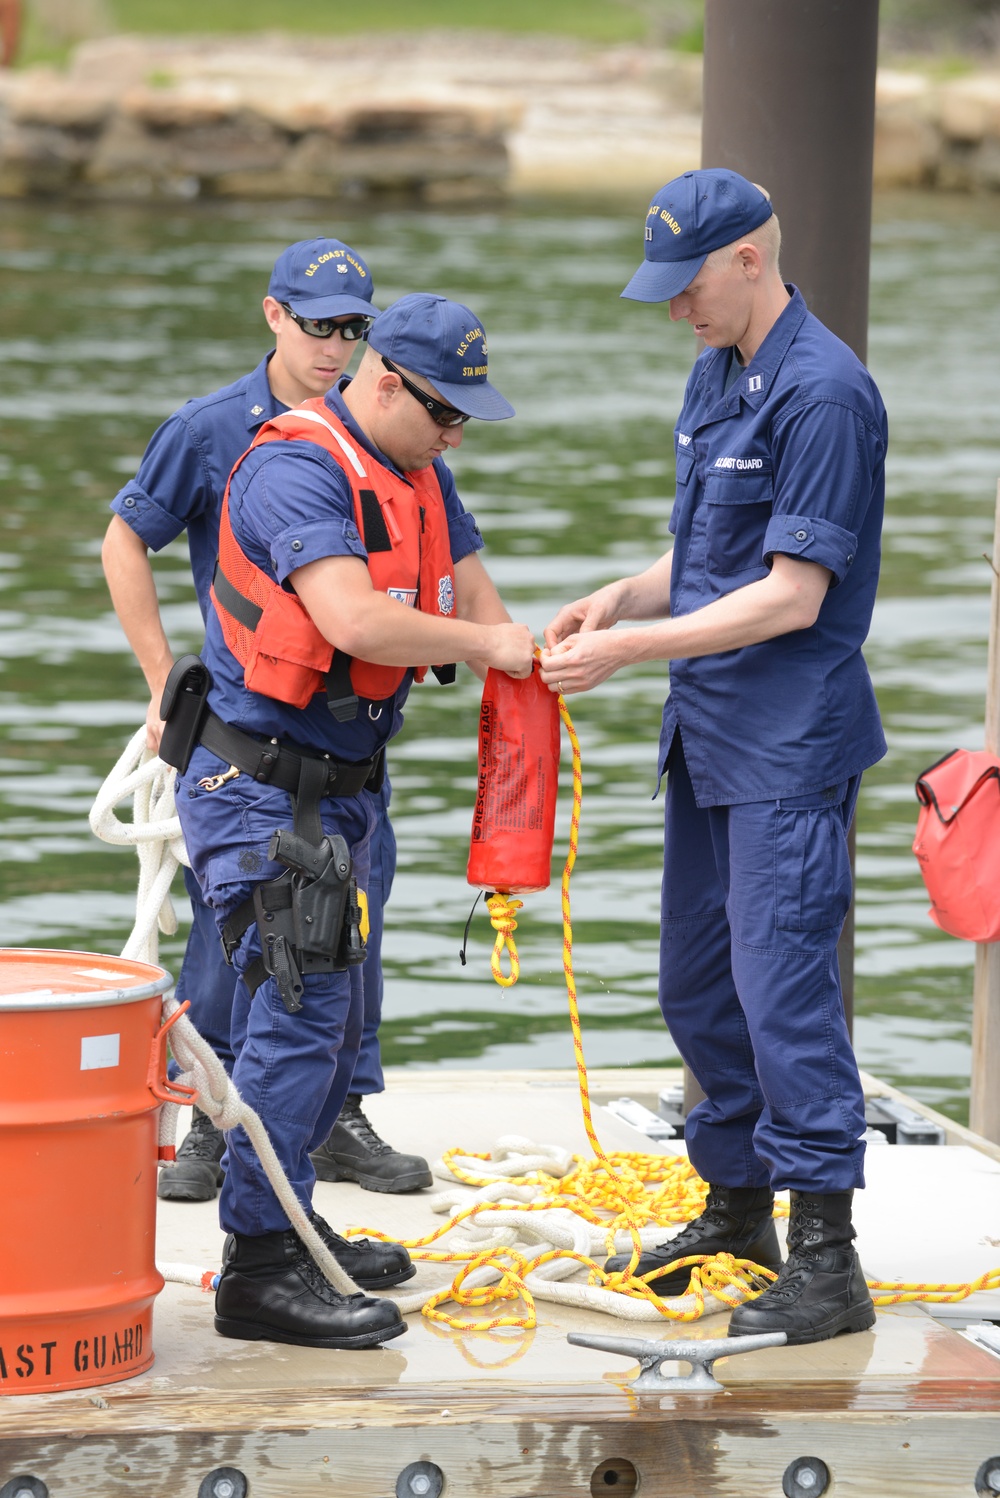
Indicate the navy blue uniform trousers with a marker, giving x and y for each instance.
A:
(754, 897)
(208, 982)
(294, 1070)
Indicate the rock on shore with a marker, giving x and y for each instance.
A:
(436, 116)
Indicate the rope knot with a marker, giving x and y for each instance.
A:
(502, 918)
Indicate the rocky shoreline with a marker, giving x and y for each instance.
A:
(435, 117)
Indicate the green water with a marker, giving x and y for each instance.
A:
(113, 316)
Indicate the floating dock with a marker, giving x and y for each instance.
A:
(910, 1408)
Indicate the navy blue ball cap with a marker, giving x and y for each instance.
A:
(445, 342)
(322, 278)
(689, 218)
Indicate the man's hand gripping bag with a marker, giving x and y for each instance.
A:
(957, 843)
(513, 825)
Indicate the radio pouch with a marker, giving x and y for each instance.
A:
(183, 707)
(957, 843)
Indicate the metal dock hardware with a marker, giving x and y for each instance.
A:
(638, 1116)
(901, 1124)
(701, 1355)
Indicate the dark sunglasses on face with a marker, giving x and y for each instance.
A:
(445, 416)
(349, 328)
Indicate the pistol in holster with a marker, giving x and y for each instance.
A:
(309, 918)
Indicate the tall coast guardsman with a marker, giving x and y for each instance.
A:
(761, 608)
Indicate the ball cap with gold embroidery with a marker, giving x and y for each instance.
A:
(445, 342)
(688, 219)
(322, 278)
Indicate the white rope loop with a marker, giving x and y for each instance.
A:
(154, 832)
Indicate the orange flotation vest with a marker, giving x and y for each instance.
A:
(405, 531)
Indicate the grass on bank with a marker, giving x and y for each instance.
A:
(53, 27)
(947, 32)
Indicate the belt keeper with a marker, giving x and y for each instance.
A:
(266, 763)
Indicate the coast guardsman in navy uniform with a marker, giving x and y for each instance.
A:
(762, 607)
(319, 309)
(346, 564)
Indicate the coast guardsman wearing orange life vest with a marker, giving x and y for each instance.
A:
(405, 532)
(347, 563)
(319, 308)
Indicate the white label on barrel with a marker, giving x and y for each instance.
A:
(97, 1051)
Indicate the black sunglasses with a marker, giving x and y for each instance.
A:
(445, 416)
(349, 328)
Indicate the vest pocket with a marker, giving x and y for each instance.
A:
(293, 668)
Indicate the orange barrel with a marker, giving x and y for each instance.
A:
(81, 1080)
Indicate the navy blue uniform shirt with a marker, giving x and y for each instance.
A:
(184, 471)
(789, 460)
(291, 503)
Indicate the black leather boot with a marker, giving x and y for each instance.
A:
(736, 1220)
(271, 1291)
(197, 1175)
(372, 1265)
(354, 1152)
(821, 1290)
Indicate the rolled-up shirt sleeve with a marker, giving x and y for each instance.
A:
(824, 455)
(811, 540)
(464, 535)
(312, 540)
(172, 486)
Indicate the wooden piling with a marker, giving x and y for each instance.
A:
(984, 1091)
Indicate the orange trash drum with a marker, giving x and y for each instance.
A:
(82, 1057)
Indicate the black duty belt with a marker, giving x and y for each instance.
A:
(272, 763)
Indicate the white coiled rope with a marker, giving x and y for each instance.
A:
(155, 834)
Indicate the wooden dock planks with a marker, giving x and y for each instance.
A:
(912, 1407)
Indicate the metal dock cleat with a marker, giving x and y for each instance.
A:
(652, 1355)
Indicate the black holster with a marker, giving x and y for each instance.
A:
(309, 918)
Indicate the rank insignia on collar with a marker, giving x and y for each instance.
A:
(755, 383)
(256, 410)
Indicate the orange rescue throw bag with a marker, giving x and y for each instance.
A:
(513, 825)
(957, 843)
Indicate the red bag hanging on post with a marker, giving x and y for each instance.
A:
(957, 843)
(513, 825)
